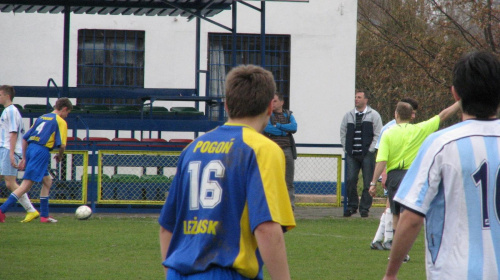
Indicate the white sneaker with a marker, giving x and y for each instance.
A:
(387, 245)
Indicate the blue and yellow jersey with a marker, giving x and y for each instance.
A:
(49, 130)
(228, 182)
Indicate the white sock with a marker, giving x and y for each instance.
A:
(26, 203)
(388, 225)
(379, 235)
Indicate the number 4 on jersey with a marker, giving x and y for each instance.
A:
(39, 128)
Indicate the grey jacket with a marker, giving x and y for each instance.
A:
(372, 124)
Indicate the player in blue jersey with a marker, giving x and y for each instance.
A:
(48, 132)
(228, 205)
(11, 139)
(454, 183)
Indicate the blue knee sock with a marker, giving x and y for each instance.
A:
(9, 203)
(44, 206)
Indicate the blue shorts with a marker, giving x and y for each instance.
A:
(218, 273)
(6, 169)
(37, 162)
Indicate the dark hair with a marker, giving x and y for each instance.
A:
(249, 91)
(279, 95)
(63, 102)
(9, 90)
(366, 93)
(476, 79)
(411, 101)
(404, 110)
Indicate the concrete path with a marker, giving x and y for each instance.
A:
(313, 212)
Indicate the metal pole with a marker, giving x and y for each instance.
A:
(233, 53)
(197, 61)
(197, 66)
(263, 34)
(65, 74)
(344, 189)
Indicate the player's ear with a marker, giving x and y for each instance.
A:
(270, 108)
(454, 93)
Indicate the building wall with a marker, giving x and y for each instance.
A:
(323, 42)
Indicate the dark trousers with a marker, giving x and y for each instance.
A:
(289, 174)
(354, 164)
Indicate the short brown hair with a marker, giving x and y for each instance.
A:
(63, 102)
(279, 95)
(249, 91)
(404, 110)
(411, 101)
(365, 92)
(9, 90)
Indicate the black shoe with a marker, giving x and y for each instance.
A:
(364, 214)
(349, 213)
(387, 245)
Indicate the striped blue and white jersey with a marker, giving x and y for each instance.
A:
(11, 121)
(228, 182)
(384, 128)
(455, 182)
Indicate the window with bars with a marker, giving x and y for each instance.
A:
(111, 59)
(248, 46)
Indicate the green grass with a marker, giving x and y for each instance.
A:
(121, 247)
(99, 248)
(338, 248)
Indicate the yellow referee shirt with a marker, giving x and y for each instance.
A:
(399, 145)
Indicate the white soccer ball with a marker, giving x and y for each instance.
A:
(83, 212)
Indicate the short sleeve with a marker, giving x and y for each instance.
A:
(63, 131)
(430, 125)
(168, 212)
(267, 194)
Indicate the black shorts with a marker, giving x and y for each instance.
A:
(394, 178)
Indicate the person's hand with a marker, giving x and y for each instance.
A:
(21, 165)
(13, 161)
(57, 158)
(373, 191)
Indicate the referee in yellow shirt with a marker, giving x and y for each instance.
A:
(399, 146)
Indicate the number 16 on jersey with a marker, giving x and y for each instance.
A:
(207, 192)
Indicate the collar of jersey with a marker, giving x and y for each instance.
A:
(239, 124)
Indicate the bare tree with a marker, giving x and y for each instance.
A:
(408, 48)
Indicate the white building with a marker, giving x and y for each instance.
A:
(318, 76)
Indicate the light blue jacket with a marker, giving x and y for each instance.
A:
(280, 129)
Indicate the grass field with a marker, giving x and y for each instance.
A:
(122, 247)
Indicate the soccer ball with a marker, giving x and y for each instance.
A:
(83, 212)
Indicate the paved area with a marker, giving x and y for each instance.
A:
(313, 212)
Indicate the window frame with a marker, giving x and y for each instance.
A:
(109, 58)
(278, 57)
